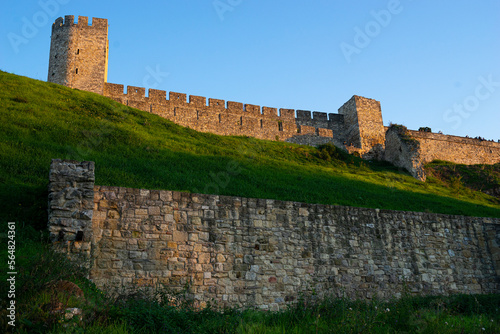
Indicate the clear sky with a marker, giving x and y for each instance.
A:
(430, 63)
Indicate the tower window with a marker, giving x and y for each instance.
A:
(78, 51)
(76, 72)
(53, 74)
(55, 56)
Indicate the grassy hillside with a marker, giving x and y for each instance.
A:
(484, 178)
(40, 121)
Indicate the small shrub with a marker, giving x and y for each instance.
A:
(332, 153)
(456, 182)
(19, 99)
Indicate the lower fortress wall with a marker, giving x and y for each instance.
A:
(265, 253)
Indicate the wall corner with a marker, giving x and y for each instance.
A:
(71, 205)
(404, 151)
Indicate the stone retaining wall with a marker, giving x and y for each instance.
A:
(260, 252)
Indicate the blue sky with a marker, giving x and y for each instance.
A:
(430, 63)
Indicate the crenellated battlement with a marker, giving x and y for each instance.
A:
(155, 96)
(83, 22)
(216, 115)
(307, 115)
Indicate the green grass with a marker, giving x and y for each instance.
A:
(164, 311)
(40, 121)
(484, 178)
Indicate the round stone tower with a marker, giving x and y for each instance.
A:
(79, 53)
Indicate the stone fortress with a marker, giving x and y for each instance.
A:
(260, 252)
(79, 59)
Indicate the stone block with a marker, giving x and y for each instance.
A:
(154, 211)
(180, 236)
(141, 212)
(204, 258)
(250, 276)
(303, 212)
